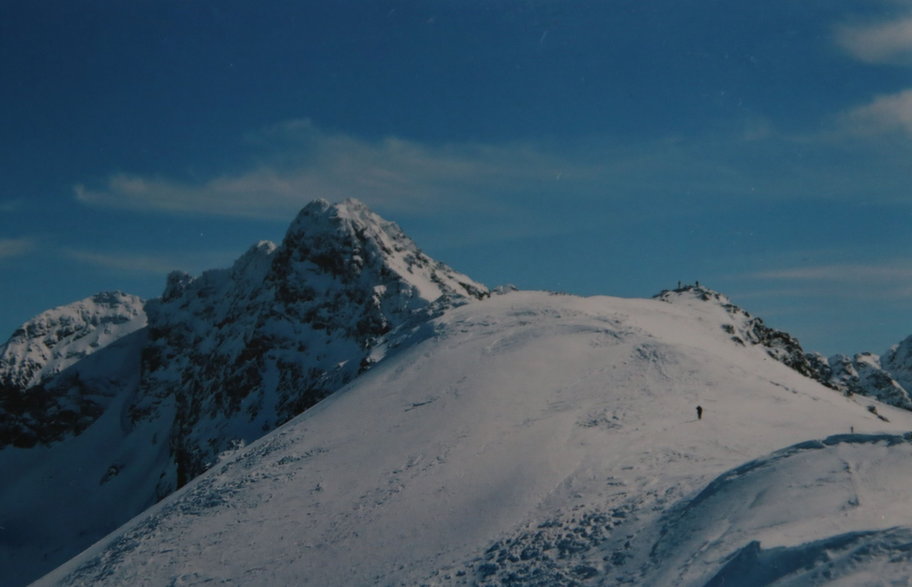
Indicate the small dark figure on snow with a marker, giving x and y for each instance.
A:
(699, 412)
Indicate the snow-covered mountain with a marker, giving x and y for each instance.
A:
(244, 349)
(746, 329)
(540, 439)
(524, 438)
(34, 406)
(93, 438)
(887, 378)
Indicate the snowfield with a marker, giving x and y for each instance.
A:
(534, 438)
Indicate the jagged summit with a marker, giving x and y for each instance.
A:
(898, 361)
(347, 239)
(225, 357)
(244, 349)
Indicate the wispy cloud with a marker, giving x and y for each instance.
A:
(15, 247)
(844, 273)
(392, 173)
(888, 41)
(295, 162)
(150, 264)
(122, 262)
(891, 280)
(886, 113)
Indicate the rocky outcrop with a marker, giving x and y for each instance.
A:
(43, 395)
(746, 329)
(244, 349)
(887, 378)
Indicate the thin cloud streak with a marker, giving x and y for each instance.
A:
(884, 282)
(129, 263)
(7, 206)
(298, 163)
(392, 173)
(16, 247)
(150, 264)
(840, 273)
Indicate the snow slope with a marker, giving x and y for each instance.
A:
(56, 499)
(542, 439)
(103, 413)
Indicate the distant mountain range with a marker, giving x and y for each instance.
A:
(110, 404)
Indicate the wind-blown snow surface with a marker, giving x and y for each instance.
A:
(547, 439)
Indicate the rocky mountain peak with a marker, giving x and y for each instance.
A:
(43, 394)
(898, 361)
(350, 243)
(57, 338)
(246, 348)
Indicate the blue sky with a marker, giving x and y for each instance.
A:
(610, 147)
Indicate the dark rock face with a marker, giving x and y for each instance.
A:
(244, 349)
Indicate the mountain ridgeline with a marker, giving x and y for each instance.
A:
(43, 397)
(219, 359)
(154, 393)
(887, 378)
(241, 350)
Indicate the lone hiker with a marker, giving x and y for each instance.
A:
(699, 412)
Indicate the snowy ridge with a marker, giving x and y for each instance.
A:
(539, 439)
(887, 379)
(522, 438)
(58, 338)
(747, 329)
(43, 394)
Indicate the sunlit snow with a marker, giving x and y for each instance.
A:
(541, 437)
